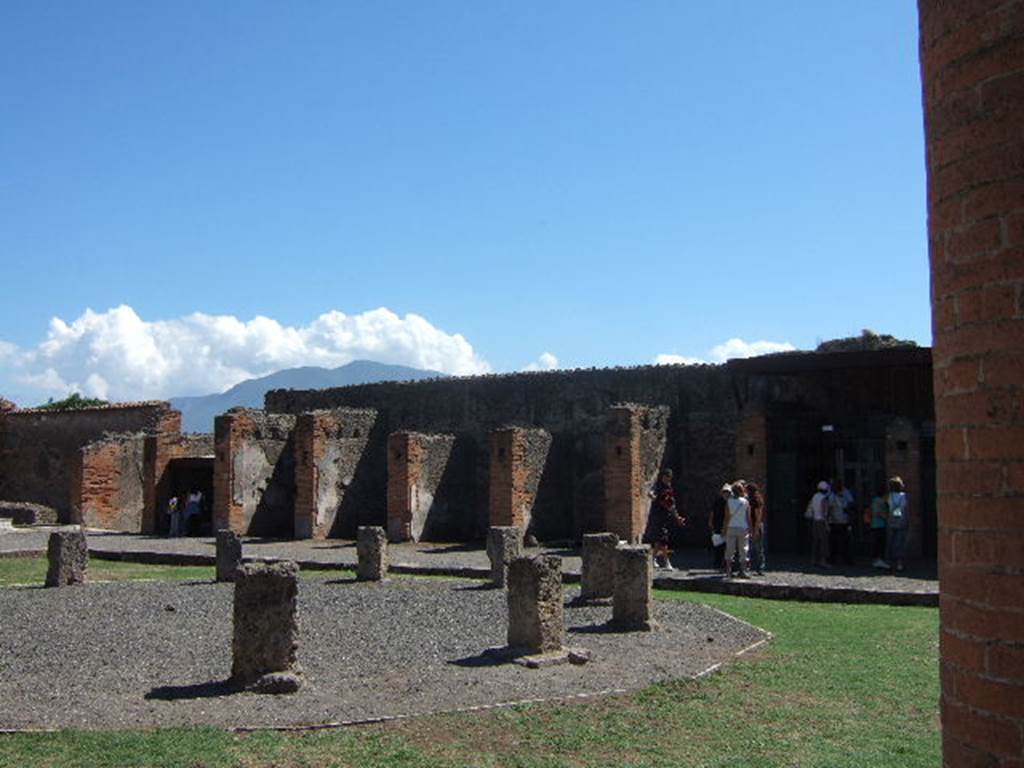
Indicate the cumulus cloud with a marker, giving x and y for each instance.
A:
(727, 350)
(117, 355)
(546, 362)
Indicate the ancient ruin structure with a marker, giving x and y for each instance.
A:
(372, 551)
(266, 628)
(972, 63)
(597, 577)
(68, 558)
(535, 608)
(633, 600)
(229, 554)
(504, 544)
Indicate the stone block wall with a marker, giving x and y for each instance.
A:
(420, 503)
(331, 469)
(39, 449)
(518, 459)
(108, 482)
(972, 62)
(634, 453)
(254, 473)
(160, 450)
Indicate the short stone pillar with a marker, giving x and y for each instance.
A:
(597, 578)
(68, 555)
(633, 600)
(535, 623)
(504, 544)
(266, 635)
(229, 554)
(372, 550)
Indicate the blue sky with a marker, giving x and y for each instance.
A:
(193, 193)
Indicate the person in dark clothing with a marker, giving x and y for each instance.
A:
(662, 519)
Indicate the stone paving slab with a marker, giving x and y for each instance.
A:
(790, 579)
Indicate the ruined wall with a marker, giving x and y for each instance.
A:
(573, 407)
(518, 461)
(972, 61)
(160, 451)
(423, 505)
(334, 477)
(39, 449)
(109, 485)
(635, 449)
(254, 473)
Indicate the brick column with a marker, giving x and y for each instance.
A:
(517, 461)
(416, 464)
(634, 447)
(310, 445)
(228, 511)
(972, 59)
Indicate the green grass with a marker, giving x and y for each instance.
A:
(838, 686)
(32, 570)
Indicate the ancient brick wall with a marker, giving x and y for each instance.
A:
(634, 455)
(518, 460)
(334, 477)
(421, 505)
(40, 449)
(972, 60)
(160, 451)
(254, 473)
(108, 484)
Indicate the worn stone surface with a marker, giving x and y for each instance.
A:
(423, 502)
(266, 627)
(26, 513)
(372, 550)
(633, 601)
(518, 457)
(535, 605)
(504, 544)
(68, 556)
(229, 554)
(597, 576)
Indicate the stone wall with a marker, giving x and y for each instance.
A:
(40, 449)
(254, 473)
(335, 478)
(109, 484)
(972, 62)
(422, 503)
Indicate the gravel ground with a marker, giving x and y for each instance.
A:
(156, 654)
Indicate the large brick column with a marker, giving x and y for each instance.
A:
(634, 448)
(972, 58)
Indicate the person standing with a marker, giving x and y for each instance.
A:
(173, 517)
(879, 514)
(898, 523)
(841, 525)
(661, 519)
(819, 506)
(736, 531)
(716, 522)
(757, 531)
(193, 508)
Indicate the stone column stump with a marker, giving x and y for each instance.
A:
(633, 601)
(535, 624)
(68, 555)
(504, 544)
(229, 554)
(372, 550)
(266, 628)
(597, 578)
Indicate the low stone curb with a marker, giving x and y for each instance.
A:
(740, 588)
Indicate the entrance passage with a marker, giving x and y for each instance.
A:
(186, 476)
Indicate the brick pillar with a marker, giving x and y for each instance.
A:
(310, 446)
(903, 458)
(972, 60)
(228, 511)
(517, 461)
(405, 464)
(634, 447)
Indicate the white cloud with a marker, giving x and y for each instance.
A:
(118, 355)
(727, 350)
(546, 362)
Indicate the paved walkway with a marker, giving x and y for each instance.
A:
(788, 579)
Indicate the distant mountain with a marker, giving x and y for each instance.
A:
(198, 412)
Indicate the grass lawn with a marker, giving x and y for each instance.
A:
(838, 686)
(32, 570)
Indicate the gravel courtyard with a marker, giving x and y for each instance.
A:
(157, 654)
